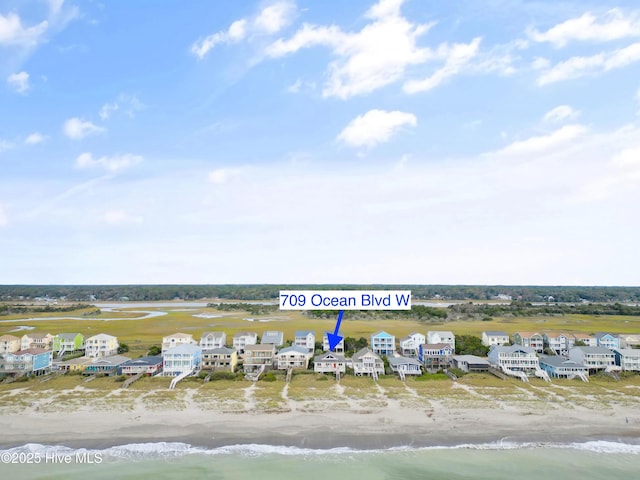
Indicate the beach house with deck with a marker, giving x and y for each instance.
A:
(182, 359)
(305, 339)
(532, 340)
(31, 360)
(257, 357)
(107, 366)
(293, 357)
(594, 358)
(628, 359)
(367, 363)
(470, 363)
(561, 367)
(495, 337)
(330, 362)
(404, 366)
(36, 340)
(150, 365)
(383, 343)
(435, 356)
(64, 343)
(410, 344)
(608, 340)
(101, 345)
(176, 339)
(221, 359)
(517, 358)
(560, 343)
(588, 340)
(211, 340)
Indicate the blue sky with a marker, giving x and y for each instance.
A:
(389, 141)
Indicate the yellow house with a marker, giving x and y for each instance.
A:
(9, 344)
(220, 359)
(75, 364)
(101, 345)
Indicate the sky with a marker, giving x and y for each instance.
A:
(389, 141)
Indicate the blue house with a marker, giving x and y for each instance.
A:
(383, 343)
(608, 340)
(30, 360)
(561, 367)
(181, 359)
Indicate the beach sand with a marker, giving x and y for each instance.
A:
(379, 416)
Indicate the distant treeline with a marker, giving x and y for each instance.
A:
(252, 308)
(22, 309)
(525, 309)
(103, 293)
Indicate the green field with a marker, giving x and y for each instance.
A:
(142, 334)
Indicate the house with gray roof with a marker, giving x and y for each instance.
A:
(366, 362)
(274, 337)
(149, 365)
(470, 363)
(329, 362)
(594, 358)
(495, 337)
(405, 365)
(293, 357)
(210, 340)
(306, 339)
(562, 367)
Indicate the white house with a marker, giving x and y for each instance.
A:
(629, 340)
(181, 359)
(442, 337)
(329, 362)
(561, 367)
(242, 339)
(588, 340)
(172, 341)
(405, 365)
(409, 345)
(470, 363)
(515, 358)
(383, 343)
(147, 365)
(594, 358)
(305, 339)
(9, 344)
(628, 359)
(560, 343)
(529, 339)
(101, 345)
(367, 362)
(211, 340)
(495, 337)
(325, 344)
(274, 337)
(293, 357)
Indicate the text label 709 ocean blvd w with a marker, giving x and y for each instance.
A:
(345, 300)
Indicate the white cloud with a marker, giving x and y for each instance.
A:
(120, 217)
(270, 20)
(374, 127)
(456, 57)
(12, 32)
(560, 113)
(128, 104)
(374, 57)
(615, 25)
(274, 18)
(563, 136)
(578, 66)
(77, 128)
(35, 138)
(111, 164)
(4, 218)
(223, 175)
(540, 63)
(19, 81)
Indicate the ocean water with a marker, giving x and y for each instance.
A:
(584, 461)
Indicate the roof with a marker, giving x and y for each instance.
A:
(69, 336)
(582, 335)
(32, 351)
(382, 334)
(595, 350)
(112, 360)
(604, 334)
(36, 335)
(415, 333)
(365, 351)
(184, 348)
(245, 334)
(435, 346)
(472, 359)
(527, 334)
(512, 349)
(213, 334)
(440, 332)
(150, 360)
(75, 361)
(220, 351)
(101, 336)
(557, 334)
(628, 352)
(180, 335)
(272, 337)
(295, 349)
(557, 361)
(304, 333)
(495, 333)
(9, 338)
(329, 356)
(402, 361)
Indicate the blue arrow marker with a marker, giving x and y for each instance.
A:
(334, 338)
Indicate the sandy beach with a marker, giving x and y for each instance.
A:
(373, 417)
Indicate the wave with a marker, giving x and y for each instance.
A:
(144, 451)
